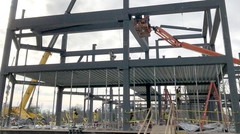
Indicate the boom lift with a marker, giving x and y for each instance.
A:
(144, 30)
(140, 28)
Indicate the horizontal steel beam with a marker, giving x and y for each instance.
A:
(209, 60)
(181, 28)
(175, 8)
(45, 49)
(69, 20)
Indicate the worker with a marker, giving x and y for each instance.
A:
(75, 116)
(112, 55)
(95, 117)
(178, 96)
(166, 116)
(131, 121)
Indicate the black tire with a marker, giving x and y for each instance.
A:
(29, 121)
(43, 121)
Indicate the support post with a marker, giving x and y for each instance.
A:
(148, 90)
(59, 105)
(159, 104)
(111, 104)
(7, 49)
(126, 71)
(230, 66)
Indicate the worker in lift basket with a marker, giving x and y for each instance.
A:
(75, 116)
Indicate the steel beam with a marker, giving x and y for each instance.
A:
(181, 28)
(101, 52)
(119, 64)
(175, 8)
(189, 36)
(215, 27)
(69, 20)
(39, 48)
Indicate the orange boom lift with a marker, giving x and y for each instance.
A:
(143, 29)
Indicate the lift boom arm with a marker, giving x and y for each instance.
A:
(175, 43)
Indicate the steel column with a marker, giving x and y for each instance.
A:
(6, 50)
(111, 104)
(230, 67)
(59, 105)
(126, 71)
(159, 105)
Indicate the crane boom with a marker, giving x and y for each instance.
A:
(175, 43)
(31, 87)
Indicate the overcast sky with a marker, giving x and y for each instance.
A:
(109, 39)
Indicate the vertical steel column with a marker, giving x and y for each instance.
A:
(64, 47)
(60, 89)
(7, 49)
(59, 105)
(111, 104)
(54, 96)
(148, 90)
(126, 71)
(159, 104)
(157, 49)
(70, 99)
(84, 103)
(92, 89)
(119, 100)
(147, 52)
(230, 67)
(13, 84)
(36, 111)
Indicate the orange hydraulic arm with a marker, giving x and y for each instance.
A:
(174, 42)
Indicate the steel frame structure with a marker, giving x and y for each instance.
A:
(119, 19)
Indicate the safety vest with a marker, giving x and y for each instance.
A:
(95, 116)
(178, 95)
(75, 115)
(165, 116)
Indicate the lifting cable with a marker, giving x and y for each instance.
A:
(54, 95)
(24, 78)
(219, 93)
(70, 102)
(6, 97)
(118, 99)
(195, 109)
(105, 109)
(155, 86)
(134, 87)
(175, 87)
(224, 93)
(196, 82)
(36, 109)
(88, 101)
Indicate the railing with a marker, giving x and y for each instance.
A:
(145, 120)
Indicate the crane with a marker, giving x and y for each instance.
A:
(26, 115)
